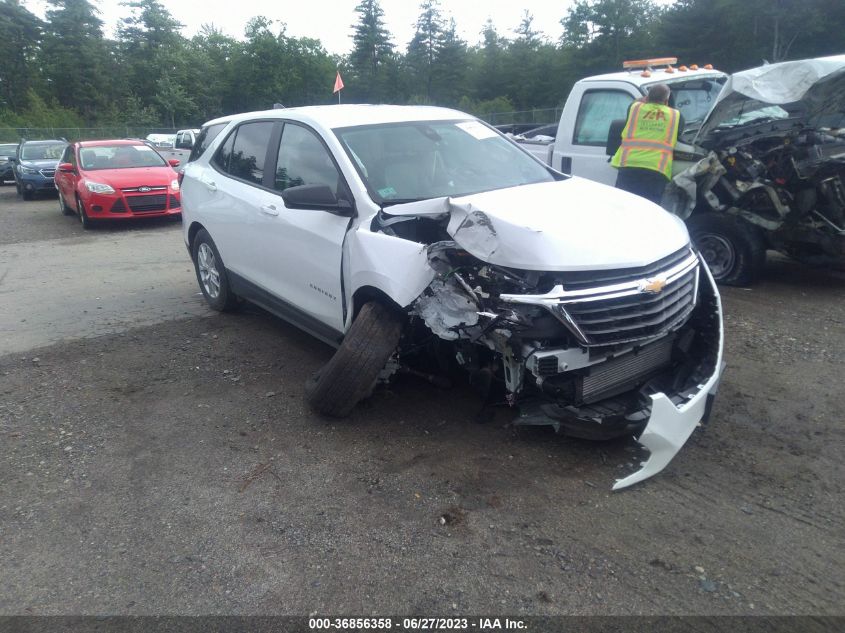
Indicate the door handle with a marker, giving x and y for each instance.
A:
(209, 184)
(269, 209)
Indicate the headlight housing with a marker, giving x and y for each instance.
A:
(98, 187)
(22, 169)
(174, 185)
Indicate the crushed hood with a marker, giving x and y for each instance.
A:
(813, 87)
(569, 225)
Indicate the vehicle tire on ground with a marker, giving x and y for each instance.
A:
(26, 194)
(211, 274)
(735, 251)
(351, 373)
(86, 222)
(66, 210)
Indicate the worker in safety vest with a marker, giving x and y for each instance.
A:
(644, 159)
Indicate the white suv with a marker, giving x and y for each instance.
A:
(420, 239)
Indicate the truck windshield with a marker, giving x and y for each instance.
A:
(418, 160)
(695, 97)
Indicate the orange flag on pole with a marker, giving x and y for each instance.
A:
(338, 83)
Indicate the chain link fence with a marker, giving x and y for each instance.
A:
(540, 116)
(15, 134)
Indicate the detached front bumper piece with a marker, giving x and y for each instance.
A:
(669, 425)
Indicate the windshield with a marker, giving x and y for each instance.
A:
(8, 150)
(418, 160)
(119, 157)
(695, 97)
(37, 151)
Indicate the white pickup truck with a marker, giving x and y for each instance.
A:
(760, 164)
(594, 103)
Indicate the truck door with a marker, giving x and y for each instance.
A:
(585, 122)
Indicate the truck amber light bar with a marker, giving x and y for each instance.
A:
(649, 63)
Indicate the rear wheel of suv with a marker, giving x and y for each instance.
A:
(351, 374)
(211, 274)
(735, 251)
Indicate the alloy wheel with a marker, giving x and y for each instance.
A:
(209, 275)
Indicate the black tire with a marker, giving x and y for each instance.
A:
(211, 274)
(351, 373)
(66, 210)
(735, 251)
(26, 194)
(86, 222)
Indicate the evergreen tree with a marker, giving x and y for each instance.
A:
(424, 49)
(73, 56)
(449, 82)
(372, 52)
(20, 32)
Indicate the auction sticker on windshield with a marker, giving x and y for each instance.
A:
(476, 129)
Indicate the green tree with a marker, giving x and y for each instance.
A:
(20, 33)
(74, 56)
(372, 53)
(449, 82)
(606, 32)
(424, 49)
(151, 47)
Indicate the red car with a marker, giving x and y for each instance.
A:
(116, 180)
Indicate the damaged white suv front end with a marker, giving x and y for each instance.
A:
(596, 332)
(420, 240)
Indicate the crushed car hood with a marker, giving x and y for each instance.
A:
(569, 225)
(813, 87)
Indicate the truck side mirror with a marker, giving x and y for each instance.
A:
(614, 136)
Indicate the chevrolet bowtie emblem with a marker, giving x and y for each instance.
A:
(653, 285)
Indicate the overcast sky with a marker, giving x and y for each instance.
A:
(331, 20)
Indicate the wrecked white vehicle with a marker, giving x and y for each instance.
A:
(421, 240)
(769, 170)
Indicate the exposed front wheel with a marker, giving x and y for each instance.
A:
(84, 220)
(734, 250)
(211, 274)
(352, 372)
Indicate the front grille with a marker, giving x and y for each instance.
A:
(174, 202)
(612, 307)
(145, 189)
(147, 204)
(48, 173)
(118, 207)
(623, 373)
(638, 316)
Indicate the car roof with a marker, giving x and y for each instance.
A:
(658, 75)
(100, 143)
(349, 115)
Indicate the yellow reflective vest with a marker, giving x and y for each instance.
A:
(649, 138)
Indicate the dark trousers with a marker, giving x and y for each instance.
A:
(646, 183)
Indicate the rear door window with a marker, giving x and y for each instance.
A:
(206, 136)
(599, 108)
(244, 152)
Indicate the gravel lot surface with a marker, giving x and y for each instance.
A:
(172, 468)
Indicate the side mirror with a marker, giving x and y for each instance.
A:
(614, 136)
(173, 162)
(66, 168)
(319, 197)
